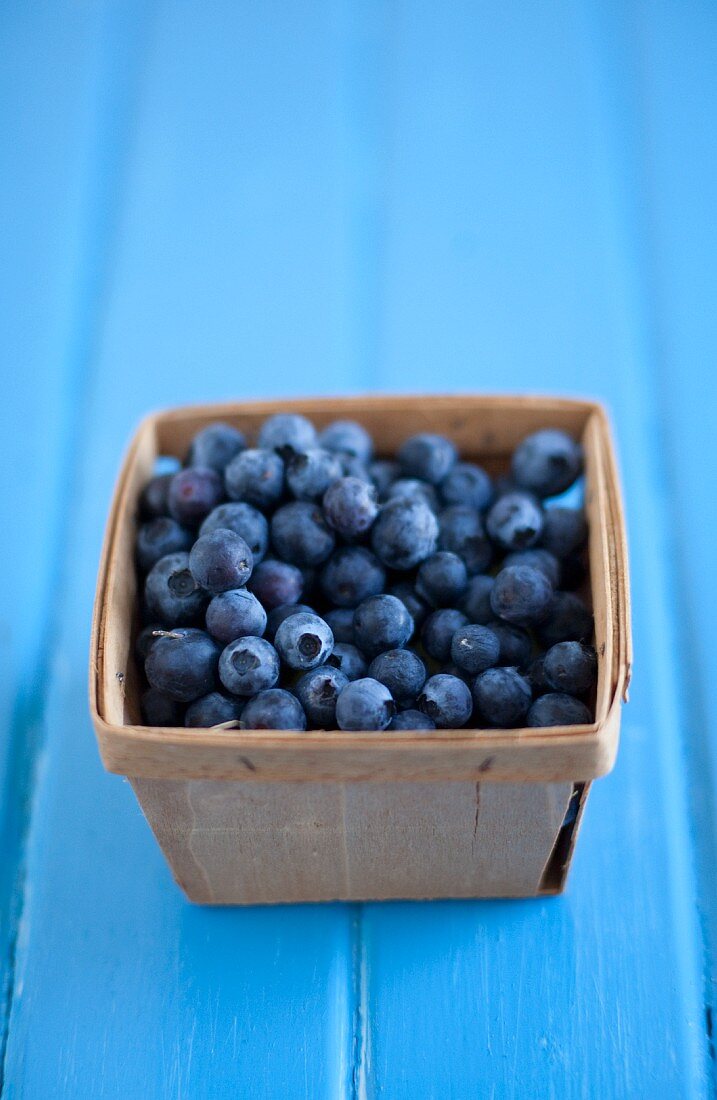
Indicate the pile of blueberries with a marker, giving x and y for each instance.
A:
(303, 583)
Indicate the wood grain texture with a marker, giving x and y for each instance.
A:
(407, 198)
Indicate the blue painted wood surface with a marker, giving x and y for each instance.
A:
(218, 200)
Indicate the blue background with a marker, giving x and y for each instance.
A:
(207, 200)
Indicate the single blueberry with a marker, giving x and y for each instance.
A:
(413, 488)
(380, 623)
(556, 709)
(220, 561)
(309, 473)
(349, 659)
(571, 667)
(255, 477)
(461, 531)
(351, 575)
(547, 462)
(171, 593)
(349, 438)
(405, 533)
(243, 519)
(365, 705)
(383, 472)
(215, 446)
(412, 720)
(159, 709)
(159, 537)
(537, 558)
(350, 506)
(476, 601)
(442, 579)
(447, 700)
(235, 614)
(193, 493)
(287, 432)
(515, 521)
(475, 648)
(515, 644)
(438, 630)
(303, 641)
(276, 582)
(300, 534)
(402, 671)
(568, 620)
(467, 484)
(183, 664)
(248, 665)
(427, 456)
(564, 531)
(212, 710)
(521, 594)
(273, 709)
(276, 617)
(154, 498)
(415, 606)
(502, 697)
(317, 691)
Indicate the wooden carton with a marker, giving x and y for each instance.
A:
(248, 817)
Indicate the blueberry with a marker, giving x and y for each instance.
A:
(427, 456)
(537, 558)
(568, 620)
(303, 641)
(159, 537)
(193, 493)
(255, 477)
(475, 648)
(364, 705)
(276, 617)
(287, 432)
(213, 709)
(555, 709)
(215, 446)
(154, 499)
(300, 534)
(476, 601)
(438, 630)
(341, 621)
(413, 488)
(405, 533)
(502, 697)
(159, 709)
(571, 667)
(415, 606)
(276, 582)
(349, 659)
(515, 644)
(309, 473)
(351, 575)
(171, 593)
(235, 614)
(412, 720)
(521, 594)
(146, 639)
(467, 484)
(243, 519)
(274, 709)
(380, 623)
(248, 665)
(318, 691)
(515, 521)
(442, 579)
(348, 437)
(462, 532)
(383, 472)
(351, 506)
(547, 462)
(183, 664)
(535, 675)
(447, 700)
(564, 531)
(402, 671)
(220, 561)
